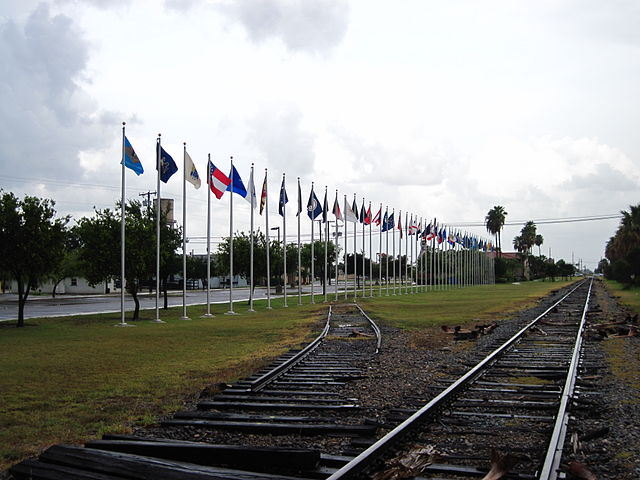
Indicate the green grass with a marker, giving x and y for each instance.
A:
(629, 296)
(74, 378)
(458, 306)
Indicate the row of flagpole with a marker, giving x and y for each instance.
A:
(466, 266)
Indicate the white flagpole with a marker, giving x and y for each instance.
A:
(251, 194)
(159, 169)
(231, 312)
(386, 272)
(313, 271)
(284, 244)
(393, 239)
(364, 273)
(184, 232)
(266, 220)
(346, 229)
(355, 261)
(208, 314)
(122, 229)
(408, 221)
(370, 254)
(380, 254)
(299, 246)
(325, 217)
(335, 242)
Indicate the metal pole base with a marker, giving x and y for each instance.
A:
(269, 308)
(231, 312)
(251, 310)
(157, 320)
(124, 325)
(185, 318)
(208, 315)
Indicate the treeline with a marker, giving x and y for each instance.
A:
(622, 262)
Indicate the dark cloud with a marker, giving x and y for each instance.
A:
(605, 178)
(302, 25)
(46, 118)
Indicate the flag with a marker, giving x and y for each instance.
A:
(400, 225)
(350, 215)
(263, 195)
(363, 213)
(367, 216)
(283, 199)
(167, 166)
(190, 172)
(131, 160)
(299, 199)
(376, 219)
(385, 221)
(218, 181)
(325, 207)
(313, 206)
(336, 208)
(391, 222)
(238, 186)
(251, 191)
(354, 208)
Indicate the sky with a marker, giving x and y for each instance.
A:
(439, 109)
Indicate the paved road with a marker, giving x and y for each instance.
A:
(62, 305)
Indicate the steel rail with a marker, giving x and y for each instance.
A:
(261, 382)
(358, 465)
(375, 328)
(551, 464)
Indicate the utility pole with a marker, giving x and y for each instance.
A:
(147, 202)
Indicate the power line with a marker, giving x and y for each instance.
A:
(545, 221)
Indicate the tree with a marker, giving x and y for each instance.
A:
(528, 235)
(623, 249)
(494, 221)
(99, 247)
(31, 242)
(539, 240)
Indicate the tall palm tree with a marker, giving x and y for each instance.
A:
(494, 221)
(539, 241)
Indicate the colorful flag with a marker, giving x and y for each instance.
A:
(238, 186)
(283, 199)
(167, 166)
(299, 199)
(218, 181)
(190, 172)
(376, 219)
(350, 215)
(131, 160)
(367, 216)
(336, 208)
(263, 195)
(363, 213)
(313, 206)
(354, 208)
(390, 225)
(400, 224)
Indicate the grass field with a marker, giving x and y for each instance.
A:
(627, 296)
(75, 378)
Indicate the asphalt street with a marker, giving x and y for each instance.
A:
(63, 305)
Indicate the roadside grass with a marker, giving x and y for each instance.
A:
(629, 296)
(71, 379)
(457, 306)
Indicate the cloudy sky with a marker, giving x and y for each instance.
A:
(441, 109)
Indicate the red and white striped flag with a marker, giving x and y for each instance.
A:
(217, 180)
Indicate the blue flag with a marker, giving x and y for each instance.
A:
(167, 166)
(131, 160)
(238, 186)
(313, 206)
(283, 199)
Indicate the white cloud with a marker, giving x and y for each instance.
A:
(314, 27)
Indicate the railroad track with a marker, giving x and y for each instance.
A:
(251, 430)
(514, 401)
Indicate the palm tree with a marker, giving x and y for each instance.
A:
(539, 241)
(528, 234)
(494, 221)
